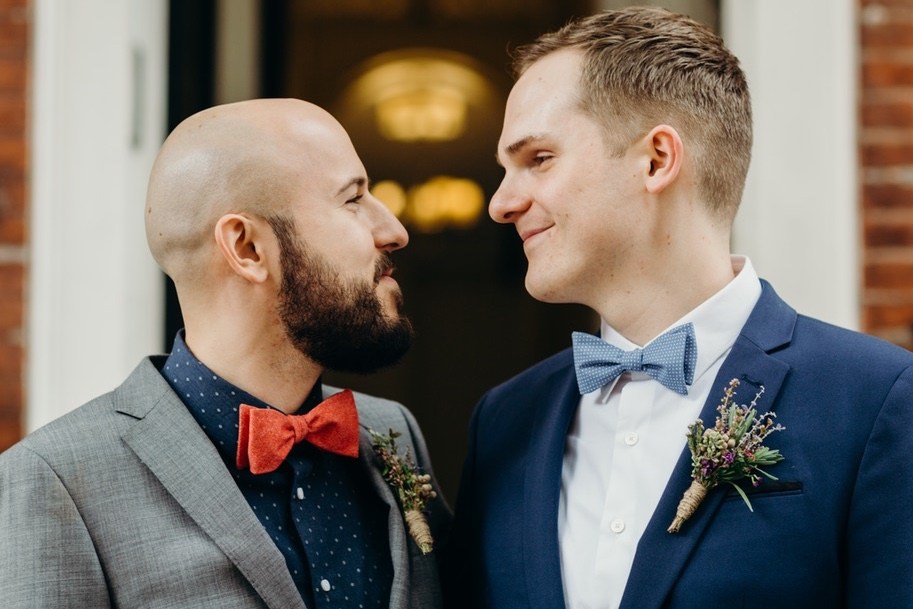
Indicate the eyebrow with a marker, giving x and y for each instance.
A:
(514, 148)
(360, 181)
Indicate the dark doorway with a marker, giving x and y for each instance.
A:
(476, 325)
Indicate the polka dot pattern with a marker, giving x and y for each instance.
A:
(318, 508)
(670, 359)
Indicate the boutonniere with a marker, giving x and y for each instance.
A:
(729, 451)
(413, 489)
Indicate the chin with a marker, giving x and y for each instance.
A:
(543, 291)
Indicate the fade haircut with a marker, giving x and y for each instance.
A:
(645, 66)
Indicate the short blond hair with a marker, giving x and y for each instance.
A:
(643, 66)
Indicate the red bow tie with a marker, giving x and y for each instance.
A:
(266, 436)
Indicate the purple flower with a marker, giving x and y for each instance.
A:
(728, 457)
(706, 467)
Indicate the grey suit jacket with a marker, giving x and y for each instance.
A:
(125, 502)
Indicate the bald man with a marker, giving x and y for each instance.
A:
(226, 474)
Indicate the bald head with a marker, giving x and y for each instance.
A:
(246, 157)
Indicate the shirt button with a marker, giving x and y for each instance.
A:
(617, 526)
(631, 438)
(325, 585)
(300, 493)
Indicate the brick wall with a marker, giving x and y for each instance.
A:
(886, 157)
(14, 33)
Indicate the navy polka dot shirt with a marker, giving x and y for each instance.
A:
(319, 508)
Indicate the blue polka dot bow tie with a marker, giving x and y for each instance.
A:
(670, 359)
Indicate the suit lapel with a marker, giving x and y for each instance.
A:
(769, 327)
(399, 544)
(169, 442)
(554, 411)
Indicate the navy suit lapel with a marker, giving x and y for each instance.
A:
(555, 408)
(769, 327)
(169, 442)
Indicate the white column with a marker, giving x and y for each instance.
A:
(98, 116)
(799, 220)
(237, 50)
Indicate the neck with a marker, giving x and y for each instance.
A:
(259, 360)
(663, 289)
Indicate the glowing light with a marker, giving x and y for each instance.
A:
(444, 202)
(438, 203)
(392, 195)
(420, 94)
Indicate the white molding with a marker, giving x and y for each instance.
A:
(95, 303)
(237, 74)
(799, 220)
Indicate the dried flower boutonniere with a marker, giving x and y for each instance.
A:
(729, 451)
(413, 490)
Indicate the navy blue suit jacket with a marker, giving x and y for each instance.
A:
(835, 531)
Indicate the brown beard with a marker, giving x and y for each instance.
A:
(340, 325)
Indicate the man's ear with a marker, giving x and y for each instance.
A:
(240, 240)
(666, 151)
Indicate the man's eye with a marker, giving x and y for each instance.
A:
(541, 158)
(356, 199)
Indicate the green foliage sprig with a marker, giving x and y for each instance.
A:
(729, 451)
(413, 489)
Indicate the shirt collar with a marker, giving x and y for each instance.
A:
(717, 321)
(213, 401)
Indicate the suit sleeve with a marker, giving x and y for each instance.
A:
(879, 531)
(47, 558)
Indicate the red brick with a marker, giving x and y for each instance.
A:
(10, 315)
(889, 274)
(12, 154)
(9, 354)
(12, 114)
(887, 196)
(889, 235)
(891, 33)
(13, 8)
(12, 74)
(897, 114)
(11, 276)
(10, 432)
(889, 315)
(11, 400)
(887, 154)
(887, 74)
(901, 3)
(14, 45)
(12, 212)
(13, 37)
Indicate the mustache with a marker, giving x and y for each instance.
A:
(383, 266)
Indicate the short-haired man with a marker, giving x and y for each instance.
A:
(625, 146)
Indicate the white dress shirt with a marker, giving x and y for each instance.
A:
(624, 443)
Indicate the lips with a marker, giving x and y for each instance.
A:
(527, 234)
(383, 268)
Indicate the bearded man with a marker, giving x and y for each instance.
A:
(226, 474)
